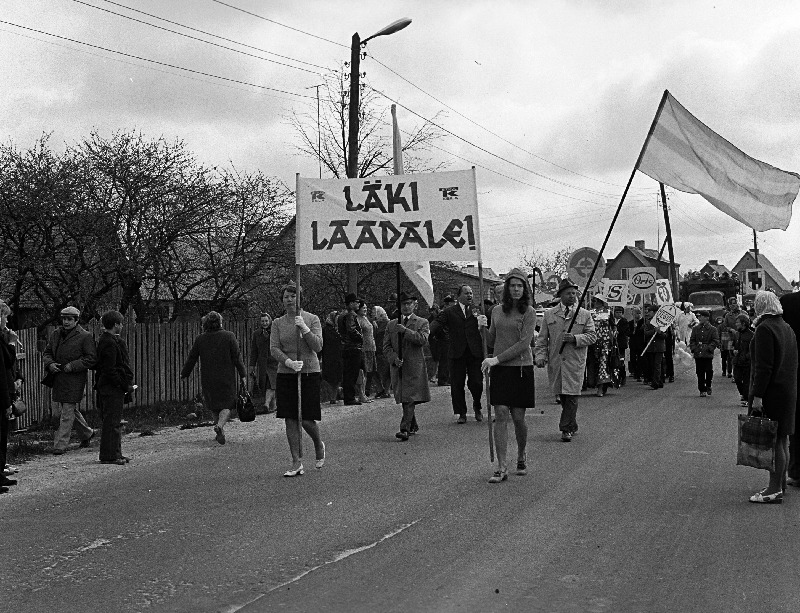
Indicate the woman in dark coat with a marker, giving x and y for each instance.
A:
(636, 336)
(263, 367)
(331, 356)
(773, 388)
(220, 362)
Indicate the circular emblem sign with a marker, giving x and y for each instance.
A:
(665, 316)
(643, 280)
(581, 263)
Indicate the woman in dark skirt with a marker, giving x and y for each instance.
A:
(773, 385)
(510, 370)
(298, 357)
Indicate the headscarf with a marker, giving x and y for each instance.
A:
(766, 303)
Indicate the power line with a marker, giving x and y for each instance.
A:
(228, 40)
(278, 23)
(144, 59)
(189, 36)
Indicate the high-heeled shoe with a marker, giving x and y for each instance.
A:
(776, 498)
(295, 473)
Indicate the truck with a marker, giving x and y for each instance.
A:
(705, 291)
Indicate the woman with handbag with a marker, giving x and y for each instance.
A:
(773, 388)
(295, 340)
(220, 362)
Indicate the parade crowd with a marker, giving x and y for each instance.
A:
(298, 362)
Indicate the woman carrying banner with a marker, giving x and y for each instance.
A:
(293, 358)
(510, 369)
(773, 391)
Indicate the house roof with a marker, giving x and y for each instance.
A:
(720, 268)
(488, 273)
(647, 257)
(769, 268)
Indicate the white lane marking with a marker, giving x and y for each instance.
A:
(71, 555)
(699, 452)
(337, 558)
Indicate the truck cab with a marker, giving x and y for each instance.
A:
(711, 300)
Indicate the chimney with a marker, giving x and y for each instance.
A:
(713, 262)
(639, 244)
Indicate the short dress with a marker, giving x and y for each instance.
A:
(512, 384)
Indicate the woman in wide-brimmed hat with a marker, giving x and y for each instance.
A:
(511, 379)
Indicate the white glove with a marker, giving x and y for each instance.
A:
(295, 365)
(488, 362)
(483, 321)
(300, 323)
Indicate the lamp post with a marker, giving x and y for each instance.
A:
(352, 139)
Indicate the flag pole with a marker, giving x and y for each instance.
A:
(486, 379)
(673, 277)
(619, 208)
(297, 340)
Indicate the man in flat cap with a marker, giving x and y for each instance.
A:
(565, 368)
(352, 348)
(69, 354)
(703, 342)
(404, 349)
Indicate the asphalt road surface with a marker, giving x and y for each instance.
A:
(645, 511)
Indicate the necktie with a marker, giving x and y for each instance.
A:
(566, 313)
(405, 321)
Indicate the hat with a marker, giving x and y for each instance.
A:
(516, 273)
(565, 284)
(351, 297)
(405, 297)
(71, 311)
(449, 298)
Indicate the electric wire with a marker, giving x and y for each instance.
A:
(286, 57)
(278, 23)
(144, 59)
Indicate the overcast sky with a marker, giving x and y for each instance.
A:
(568, 88)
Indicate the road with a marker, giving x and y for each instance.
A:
(645, 511)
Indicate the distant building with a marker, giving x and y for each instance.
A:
(638, 256)
(773, 279)
(713, 266)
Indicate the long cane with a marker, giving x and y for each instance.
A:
(299, 373)
(486, 380)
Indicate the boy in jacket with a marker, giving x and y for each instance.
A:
(703, 342)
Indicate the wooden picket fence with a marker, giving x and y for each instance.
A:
(157, 354)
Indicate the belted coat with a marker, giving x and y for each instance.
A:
(410, 383)
(74, 349)
(566, 369)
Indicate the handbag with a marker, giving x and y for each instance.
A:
(757, 436)
(49, 379)
(245, 407)
(18, 407)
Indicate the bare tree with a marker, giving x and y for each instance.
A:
(554, 261)
(328, 140)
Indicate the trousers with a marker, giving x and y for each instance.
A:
(109, 405)
(466, 369)
(70, 415)
(704, 369)
(569, 413)
(351, 365)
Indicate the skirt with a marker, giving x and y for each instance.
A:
(512, 386)
(286, 395)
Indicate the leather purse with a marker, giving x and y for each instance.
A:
(245, 407)
(757, 436)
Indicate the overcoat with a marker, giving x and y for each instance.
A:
(77, 349)
(704, 340)
(220, 362)
(410, 383)
(331, 355)
(261, 357)
(565, 370)
(773, 371)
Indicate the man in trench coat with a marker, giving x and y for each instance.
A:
(565, 369)
(409, 372)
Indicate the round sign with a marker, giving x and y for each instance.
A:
(666, 315)
(643, 280)
(581, 263)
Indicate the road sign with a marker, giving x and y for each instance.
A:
(580, 266)
(665, 316)
(663, 292)
(616, 292)
(642, 280)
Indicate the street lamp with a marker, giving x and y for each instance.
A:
(352, 140)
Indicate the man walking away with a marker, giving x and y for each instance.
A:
(69, 354)
(114, 383)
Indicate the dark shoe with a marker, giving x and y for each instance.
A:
(118, 462)
(522, 467)
(126, 458)
(703, 394)
(59, 451)
(220, 438)
(654, 387)
(566, 436)
(462, 419)
(498, 476)
(352, 403)
(558, 399)
(478, 415)
(414, 429)
(3, 490)
(793, 482)
(6, 481)
(87, 441)
(708, 391)
(402, 435)
(672, 379)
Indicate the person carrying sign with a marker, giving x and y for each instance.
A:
(565, 368)
(656, 347)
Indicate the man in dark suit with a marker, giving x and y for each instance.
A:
(791, 315)
(465, 353)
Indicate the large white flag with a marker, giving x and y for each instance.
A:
(685, 154)
(418, 272)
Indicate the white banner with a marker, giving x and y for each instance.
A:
(397, 218)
